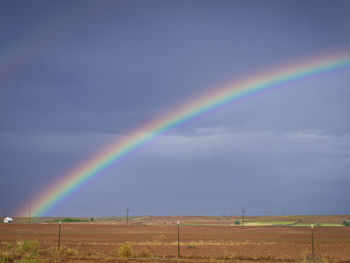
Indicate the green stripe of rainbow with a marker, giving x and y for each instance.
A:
(61, 189)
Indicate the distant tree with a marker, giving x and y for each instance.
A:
(237, 222)
(346, 222)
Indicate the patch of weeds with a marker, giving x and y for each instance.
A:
(28, 260)
(30, 246)
(125, 250)
(6, 256)
(232, 256)
(191, 247)
(266, 258)
(8, 245)
(25, 251)
(316, 259)
(19, 245)
(144, 253)
(68, 251)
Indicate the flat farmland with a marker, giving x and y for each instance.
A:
(155, 240)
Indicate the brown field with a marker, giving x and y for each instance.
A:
(202, 239)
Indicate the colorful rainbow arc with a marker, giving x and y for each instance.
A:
(61, 189)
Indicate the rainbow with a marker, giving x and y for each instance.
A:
(74, 179)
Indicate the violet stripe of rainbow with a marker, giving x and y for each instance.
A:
(71, 181)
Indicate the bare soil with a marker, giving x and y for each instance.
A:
(155, 239)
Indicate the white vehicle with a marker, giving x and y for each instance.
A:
(8, 220)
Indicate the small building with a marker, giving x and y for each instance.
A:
(8, 220)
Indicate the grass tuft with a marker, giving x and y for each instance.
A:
(125, 250)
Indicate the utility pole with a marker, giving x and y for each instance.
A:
(127, 216)
(312, 240)
(178, 238)
(243, 217)
(29, 213)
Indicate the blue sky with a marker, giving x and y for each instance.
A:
(77, 75)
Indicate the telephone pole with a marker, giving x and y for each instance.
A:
(127, 216)
(178, 238)
(243, 217)
(312, 241)
(29, 213)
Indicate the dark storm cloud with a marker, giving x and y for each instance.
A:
(134, 66)
(85, 73)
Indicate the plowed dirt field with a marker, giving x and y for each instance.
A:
(95, 242)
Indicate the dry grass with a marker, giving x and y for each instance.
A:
(31, 252)
(125, 250)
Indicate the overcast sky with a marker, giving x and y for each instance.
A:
(77, 75)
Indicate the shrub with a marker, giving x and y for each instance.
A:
(237, 222)
(91, 219)
(72, 220)
(125, 250)
(26, 251)
(30, 246)
(346, 222)
(191, 246)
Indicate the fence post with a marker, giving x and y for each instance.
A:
(59, 233)
(178, 238)
(312, 240)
